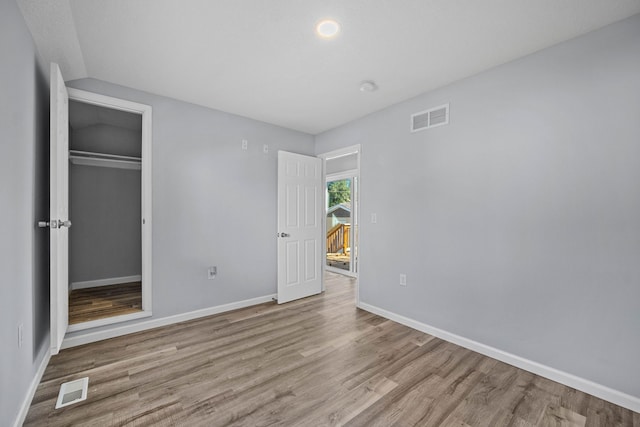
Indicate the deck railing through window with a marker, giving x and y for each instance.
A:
(338, 238)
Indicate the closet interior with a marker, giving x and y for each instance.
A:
(105, 188)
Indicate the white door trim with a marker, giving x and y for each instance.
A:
(146, 112)
(341, 152)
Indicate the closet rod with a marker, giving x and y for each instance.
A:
(87, 158)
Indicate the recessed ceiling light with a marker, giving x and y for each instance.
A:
(368, 86)
(327, 28)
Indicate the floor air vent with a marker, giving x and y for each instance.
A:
(72, 392)
(437, 116)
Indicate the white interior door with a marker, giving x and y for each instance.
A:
(300, 253)
(59, 209)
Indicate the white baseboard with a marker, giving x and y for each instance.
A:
(33, 386)
(164, 321)
(614, 396)
(105, 282)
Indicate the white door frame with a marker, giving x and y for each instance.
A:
(145, 111)
(341, 152)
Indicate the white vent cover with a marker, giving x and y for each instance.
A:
(72, 392)
(437, 116)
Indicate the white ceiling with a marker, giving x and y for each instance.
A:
(261, 59)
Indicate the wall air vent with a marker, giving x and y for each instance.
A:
(430, 118)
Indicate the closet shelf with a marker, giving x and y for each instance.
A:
(88, 158)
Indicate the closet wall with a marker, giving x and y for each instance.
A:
(105, 207)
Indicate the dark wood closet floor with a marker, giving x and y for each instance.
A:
(312, 362)
(104, 301)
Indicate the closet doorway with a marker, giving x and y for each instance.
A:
(109, 207)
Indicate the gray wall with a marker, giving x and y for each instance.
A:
(24, 160)
(104, 241)
(107, 139)
(200, 175)
(519, 224)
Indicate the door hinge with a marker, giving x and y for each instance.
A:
(56, 223)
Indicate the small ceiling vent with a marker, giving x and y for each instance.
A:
(437, 116)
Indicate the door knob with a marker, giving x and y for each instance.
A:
(285, 235)
(66, 223)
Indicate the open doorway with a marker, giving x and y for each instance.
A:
(109, 184)
(342, 176)
(59, 222)
(341, 246)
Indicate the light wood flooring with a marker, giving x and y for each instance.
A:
(104, 301)
(313, 362)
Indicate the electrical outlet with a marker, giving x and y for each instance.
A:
(374, 218)
(265, 148)
(403, 279)
(211, 272)
(245, 144)
(20, 335)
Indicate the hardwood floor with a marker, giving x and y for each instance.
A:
(313, 362)
(104, 301)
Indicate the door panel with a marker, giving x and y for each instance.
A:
(310, 260)
(311, 206)
(299, 228)
(59, 209)
(293, 273)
